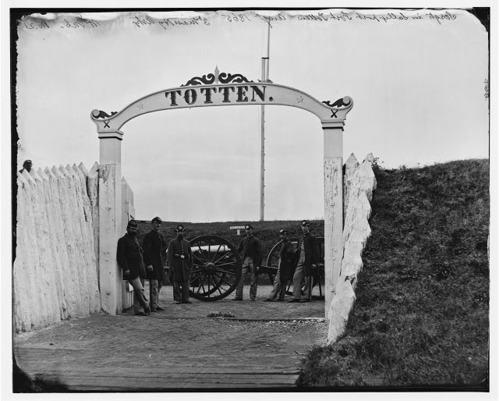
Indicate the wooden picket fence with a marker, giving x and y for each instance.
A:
(55, 273)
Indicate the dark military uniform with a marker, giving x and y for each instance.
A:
(251, 250)
(180, 263)
(129, 258)
(308, 254)
(287, 264)
(154, 249)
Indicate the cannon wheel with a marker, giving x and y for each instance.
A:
(317, 275)
(216, 268)
(273, 260)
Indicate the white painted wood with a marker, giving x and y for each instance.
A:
(333, 210)
(69, 304)
(87, 221)
(59, 250)
(38, 241)
(76, 267)
(351, 166)
(110, 228)
(55, 276)
(361, 183)
(71, 276)
(22, 279)
(93, 194)
(84, 217)
(221, 95)
(80, 239)
(54, 263)
(127, 212)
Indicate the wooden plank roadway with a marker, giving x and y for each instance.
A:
(64, 369)
(180, 349)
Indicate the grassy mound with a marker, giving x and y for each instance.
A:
(421, 317)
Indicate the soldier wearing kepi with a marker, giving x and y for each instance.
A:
(154, 249)
(308, 252)
(285, 268)
(180, 261)
(251, 249)
(129, 257)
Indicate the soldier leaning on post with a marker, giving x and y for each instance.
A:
(285, 268)
(129, 257)
(308, 256)
(180, 262)
(154, 249)
(251, 249)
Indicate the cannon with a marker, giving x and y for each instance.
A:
(217, 266)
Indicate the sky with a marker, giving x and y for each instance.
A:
(417, 81)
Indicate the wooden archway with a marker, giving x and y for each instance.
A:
(217, 89)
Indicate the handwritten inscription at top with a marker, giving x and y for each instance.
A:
(141, 21)
(344, 16)
(66, 23)
(138, 20)
(381, 17)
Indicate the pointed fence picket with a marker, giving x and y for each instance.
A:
(55, 273)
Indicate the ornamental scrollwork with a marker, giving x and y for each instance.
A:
(99, 114)
(236, 78)
(217, 77)
(335, 107)
(339, 103)
(204, 80)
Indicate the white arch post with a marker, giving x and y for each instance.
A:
(110, 229)
(218, 89)
(333, 207)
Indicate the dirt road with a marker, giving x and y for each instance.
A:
(179, 348)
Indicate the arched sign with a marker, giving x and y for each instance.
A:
(218, 89)
(222, 89)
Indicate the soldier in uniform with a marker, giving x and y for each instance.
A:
(154, 249)
(129, 257)
(285, 268)
(180, 263)
(251, 249)
(308, 256)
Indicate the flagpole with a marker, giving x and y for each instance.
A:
(265, 77)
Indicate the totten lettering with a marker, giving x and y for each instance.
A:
(223, 94)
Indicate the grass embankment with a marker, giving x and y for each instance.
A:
(421, 313)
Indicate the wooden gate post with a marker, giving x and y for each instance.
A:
(333, 207)
(110, 229)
